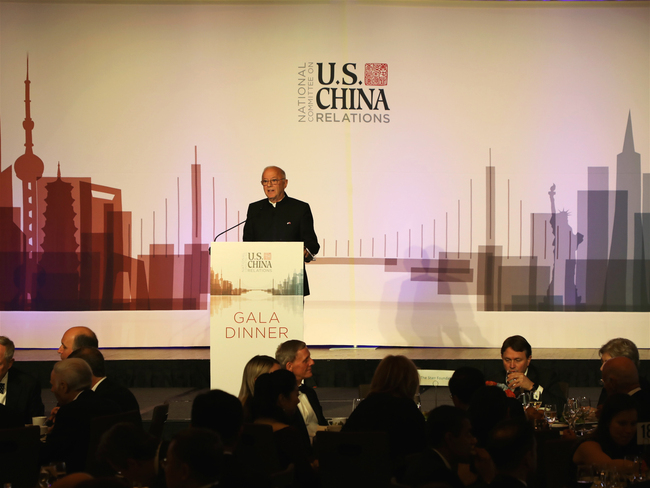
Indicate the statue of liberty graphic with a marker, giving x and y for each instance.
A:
(562, 291)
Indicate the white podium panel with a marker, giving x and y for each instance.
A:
(256, 303)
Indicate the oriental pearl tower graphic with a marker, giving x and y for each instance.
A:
(29, 168)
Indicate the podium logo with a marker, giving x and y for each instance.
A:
(349, 92)
(259, 261)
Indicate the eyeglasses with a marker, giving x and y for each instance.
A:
(273, 181)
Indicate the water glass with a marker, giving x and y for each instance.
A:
(550, 412)
(585, 475)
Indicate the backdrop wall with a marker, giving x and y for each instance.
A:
(474, 169)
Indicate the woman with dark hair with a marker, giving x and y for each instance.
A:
(274, 403)
(614, 438)
(257, 366)
(390, 408)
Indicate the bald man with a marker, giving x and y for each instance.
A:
(77, 337)
(620, 375)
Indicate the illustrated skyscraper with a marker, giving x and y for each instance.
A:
(59, 265)
(29, 168)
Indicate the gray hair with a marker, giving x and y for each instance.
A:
(10, 348)
(75, 372)
(287, 351)
(621, 347)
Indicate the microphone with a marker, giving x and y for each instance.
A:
(222, 233)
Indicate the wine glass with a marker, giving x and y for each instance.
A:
(570, 412)
(550, 412)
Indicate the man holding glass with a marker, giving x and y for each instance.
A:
(523, 377)
(280, 218)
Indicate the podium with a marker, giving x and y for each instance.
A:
(256, 303)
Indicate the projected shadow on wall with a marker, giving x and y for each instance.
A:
(421, 314)
(70, 247)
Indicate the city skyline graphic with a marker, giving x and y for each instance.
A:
(74, 249)
(70, 247)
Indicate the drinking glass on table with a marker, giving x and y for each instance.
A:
(550, 413)
(570, 414)
(585, 475)
(584, 406)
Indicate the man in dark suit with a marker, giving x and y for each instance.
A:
(280, 218)
(450, 441)
(76, 337)
(19, 392)
(513, 449)
(68, 440)
(104, 387)
(523, 377)
(615, 348)
(294, 356)
(620, 375)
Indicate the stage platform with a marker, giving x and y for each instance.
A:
(336, 367)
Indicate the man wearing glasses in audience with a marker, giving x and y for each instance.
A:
(280, 218)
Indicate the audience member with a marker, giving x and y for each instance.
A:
(615, 348)
(77, 337)
(69, 437)
(615, 436)
(274, 403)
(194, 459)
(523, 377)
(620, 375)
(294, 356)
(390, 407)
(513, 449)
(450, 441)
(463, 384)
(103, 386)
(19, 391)
(132, 453)
(221, 412)
(254, 368)
(488, 406)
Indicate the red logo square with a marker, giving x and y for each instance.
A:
(376, 74)
(267, 256)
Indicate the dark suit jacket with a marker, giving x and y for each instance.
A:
(68, 440)
(9, 419)
(119, 394)
(642, 398)
(547, 379)
(311, 395)
(428, 467)
(289, 221)
(645, 385)
(298, 422)
(24, 395)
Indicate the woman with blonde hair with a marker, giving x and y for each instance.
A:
(257, 366)
(390, 408)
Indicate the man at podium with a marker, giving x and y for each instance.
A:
(280, 218)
